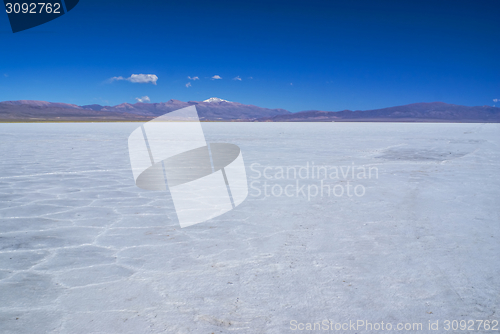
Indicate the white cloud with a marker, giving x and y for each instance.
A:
(496, 100)
(193, 78)
(237, 78)
(291, 83)
(5, 75)
(143, 99)
(137, 78)
(188, 85)
(250, 78)
(216, 77)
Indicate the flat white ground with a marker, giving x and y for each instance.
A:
(83, 250)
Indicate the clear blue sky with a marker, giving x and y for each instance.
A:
(302, 55)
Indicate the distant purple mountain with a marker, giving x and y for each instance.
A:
(96, 107)
(41, 104)
(215, 109)
(416, 112)
(39, 111)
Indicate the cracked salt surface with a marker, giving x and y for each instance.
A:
(82, 250)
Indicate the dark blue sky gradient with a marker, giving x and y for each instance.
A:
(337, 54)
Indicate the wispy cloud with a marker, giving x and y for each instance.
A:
(5, 75)
(291, 83)
(216, 77)
(193, 78)
(188, 85)
(137, 78)
(143, 99)
(237, 78)
(250, 78)
(496, 100)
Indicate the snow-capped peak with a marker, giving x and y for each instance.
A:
(215, 99)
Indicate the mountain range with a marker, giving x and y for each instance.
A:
(416, 112)
(215, 109)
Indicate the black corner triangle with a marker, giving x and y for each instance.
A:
(70, 4)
